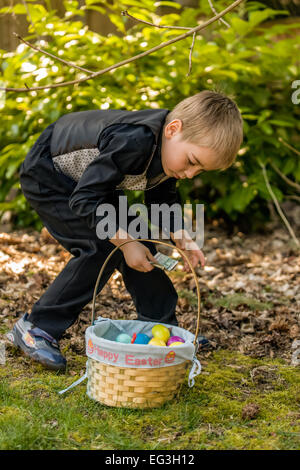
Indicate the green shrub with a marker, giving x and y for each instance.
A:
(253, 61)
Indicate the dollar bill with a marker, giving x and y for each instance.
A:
(164, 262)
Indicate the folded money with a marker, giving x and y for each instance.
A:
(164, 262)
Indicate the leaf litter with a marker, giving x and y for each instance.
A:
(250, 296)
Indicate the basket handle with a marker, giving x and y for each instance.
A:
(151, 241)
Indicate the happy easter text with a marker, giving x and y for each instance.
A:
(130, 359)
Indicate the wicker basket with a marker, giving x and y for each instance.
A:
(131, 387)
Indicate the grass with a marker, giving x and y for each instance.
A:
(207, 416)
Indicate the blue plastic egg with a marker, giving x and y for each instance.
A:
(141, 338)
(123, 338)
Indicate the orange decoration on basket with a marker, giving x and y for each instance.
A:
(133, 338)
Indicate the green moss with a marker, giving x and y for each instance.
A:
(229, 301)
(235, 300)
(189, 295)
(207, 416)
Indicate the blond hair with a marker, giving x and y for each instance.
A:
(211, 119)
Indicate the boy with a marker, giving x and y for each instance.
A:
(86, 159)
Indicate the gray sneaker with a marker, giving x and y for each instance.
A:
(37, 344)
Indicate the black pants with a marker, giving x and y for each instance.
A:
(48, 193)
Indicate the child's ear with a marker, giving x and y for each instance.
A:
(173, 128)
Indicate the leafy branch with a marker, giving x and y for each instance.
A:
(191, 31)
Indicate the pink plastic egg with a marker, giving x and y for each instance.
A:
(175, 339)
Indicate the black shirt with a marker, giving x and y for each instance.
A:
(124, 149)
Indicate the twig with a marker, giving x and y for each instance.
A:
(215, 12)
(125, 13)
(190, 56)
(285, 178)
(296, 198)
(131, 59)
(279, 210)
(289, 146)
(51, 55)
(30, 19)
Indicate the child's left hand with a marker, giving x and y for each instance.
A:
(190, 248)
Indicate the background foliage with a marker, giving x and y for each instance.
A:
(254, 61)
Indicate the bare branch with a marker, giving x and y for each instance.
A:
(190, 57)
(285, 178)
(280, 212)
(289, 146)
(70, 64)
(215, 12)
(131, 59)
(296, 198)
(125, 13)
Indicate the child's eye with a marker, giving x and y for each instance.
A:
(191, 162)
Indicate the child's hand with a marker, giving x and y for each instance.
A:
(191, 249)
(137, 256)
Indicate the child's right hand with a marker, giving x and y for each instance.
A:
(137, 256)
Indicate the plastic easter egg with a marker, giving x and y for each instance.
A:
(161, 332)
(141, 338)
(176, 343)
(174, 339)
(157, 342)
(123, 338)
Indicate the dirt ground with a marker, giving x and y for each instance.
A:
(250, 296)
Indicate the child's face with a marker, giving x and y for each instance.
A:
(181, 159)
